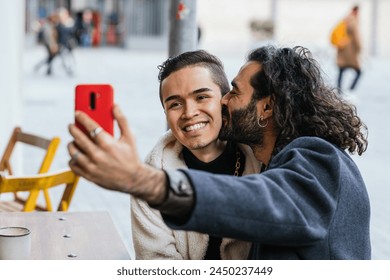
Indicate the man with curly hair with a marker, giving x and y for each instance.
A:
(310, 201)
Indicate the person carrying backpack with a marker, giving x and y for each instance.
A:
(346, 38)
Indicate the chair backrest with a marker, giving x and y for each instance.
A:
(41, 182)
(49, 145)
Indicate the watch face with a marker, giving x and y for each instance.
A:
(179, 183)
(182, 187)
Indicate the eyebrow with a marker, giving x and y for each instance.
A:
(197, 91)
(200, 90)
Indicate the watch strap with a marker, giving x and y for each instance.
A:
(180, 195)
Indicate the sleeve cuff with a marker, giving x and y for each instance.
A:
(179, 200)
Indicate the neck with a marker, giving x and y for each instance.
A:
(264, 151)
(210, 152)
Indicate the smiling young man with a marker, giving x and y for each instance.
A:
(191, 87)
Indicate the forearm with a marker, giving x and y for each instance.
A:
(294, 199)
(149, 184)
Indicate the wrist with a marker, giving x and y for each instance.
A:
(150, 184)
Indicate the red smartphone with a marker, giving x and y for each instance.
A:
(97, 101)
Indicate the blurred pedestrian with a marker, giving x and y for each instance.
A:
(84, 28)
(346, 38)
(66, 39)
(47, 35)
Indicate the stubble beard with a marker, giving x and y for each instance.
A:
(198, 146)
(242, 126)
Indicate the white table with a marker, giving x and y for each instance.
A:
(69, 235)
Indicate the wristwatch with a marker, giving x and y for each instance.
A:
(179, 200)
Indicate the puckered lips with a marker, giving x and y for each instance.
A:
(225, 116)
(225, 121)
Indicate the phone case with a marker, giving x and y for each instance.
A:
(97, 102)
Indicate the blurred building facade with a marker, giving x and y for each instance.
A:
(124, 23)
(144, 24)
(294, 22)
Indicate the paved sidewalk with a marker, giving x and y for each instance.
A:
(48, 109)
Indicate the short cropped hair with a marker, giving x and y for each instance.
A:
(195, 58)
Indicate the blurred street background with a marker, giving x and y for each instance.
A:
(131, 40)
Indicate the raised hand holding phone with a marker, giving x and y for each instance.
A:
(97, 101)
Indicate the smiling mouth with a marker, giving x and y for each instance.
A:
(194, 127)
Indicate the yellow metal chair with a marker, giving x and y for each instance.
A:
(50, 145)
(36, 183)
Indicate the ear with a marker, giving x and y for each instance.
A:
(265, 107)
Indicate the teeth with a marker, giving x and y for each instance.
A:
(195, 126)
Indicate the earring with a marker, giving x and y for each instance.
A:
(261, 119)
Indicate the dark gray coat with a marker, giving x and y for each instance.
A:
(311, 203)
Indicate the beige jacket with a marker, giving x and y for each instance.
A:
(154, 240)
(349, 55)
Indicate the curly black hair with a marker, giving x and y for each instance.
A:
(303, 104)
(195, 58)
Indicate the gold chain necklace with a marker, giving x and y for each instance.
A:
(238, 165)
